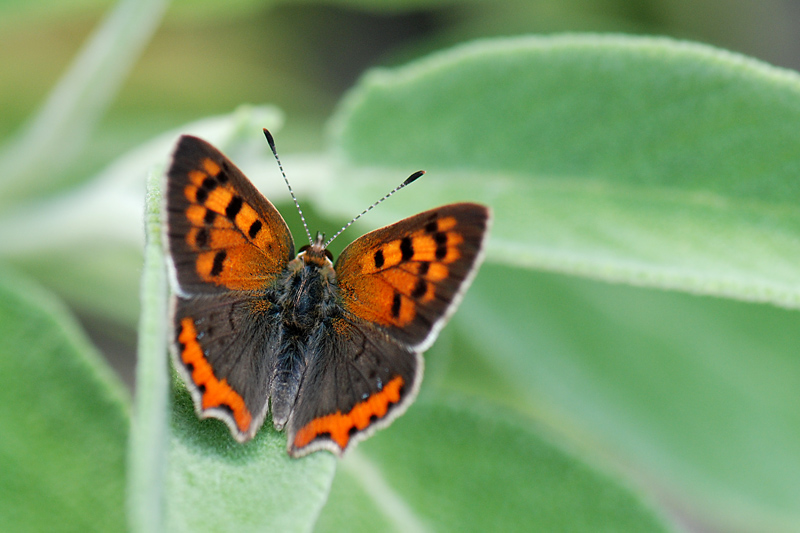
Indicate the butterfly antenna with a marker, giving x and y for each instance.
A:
(413, 177)
(271, 142)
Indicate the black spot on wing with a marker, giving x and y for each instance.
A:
(406, 248)
(209, 184)
(255, 227)
(420, 289)
(219, 258)
(201, 195)
(202, 238)
(234, 206)
(441, 245)
(223, 175)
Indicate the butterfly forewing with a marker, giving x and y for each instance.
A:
(408, 277)
(222, 233)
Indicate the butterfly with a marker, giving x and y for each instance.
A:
(332, 351)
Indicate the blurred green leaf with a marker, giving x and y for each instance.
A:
(694, 397)
(147, 449)
(213, 483)
(646, 161)
(73, 107)
(16, 8)
(63, 420)
(460, 464)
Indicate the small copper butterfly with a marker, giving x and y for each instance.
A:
(334, 350)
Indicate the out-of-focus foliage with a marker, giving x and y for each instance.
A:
(646, 162)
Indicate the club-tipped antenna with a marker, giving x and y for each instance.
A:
(271, 143)
(408, 181)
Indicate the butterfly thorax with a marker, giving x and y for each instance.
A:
(309, 292)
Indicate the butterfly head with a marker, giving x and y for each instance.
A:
(316, 253)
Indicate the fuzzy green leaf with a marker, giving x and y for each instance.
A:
(63, 420)
(147, 453)
(216, 484)
(695, 397)
(458, 464)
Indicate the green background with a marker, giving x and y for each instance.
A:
(625, 361)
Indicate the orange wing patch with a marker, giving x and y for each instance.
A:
(339, 425)
(211, 166)
(406, 272)
(215, 393)
(436, 243)
(406, 276)
(227, 234)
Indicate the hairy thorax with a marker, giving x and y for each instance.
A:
(309, 295)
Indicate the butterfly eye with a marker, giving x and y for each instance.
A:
(328, 254)
(303, 248)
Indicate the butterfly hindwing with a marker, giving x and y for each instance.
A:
(221, 232)
(359, 381)
(219, 347)
(408, 277)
